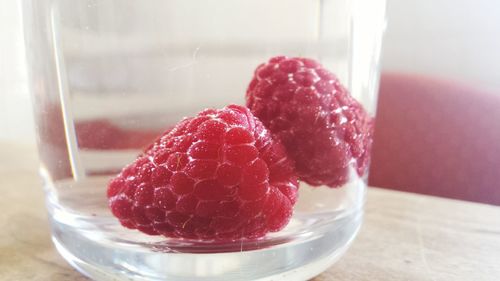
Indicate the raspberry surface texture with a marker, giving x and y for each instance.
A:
(217, 176)
(324, 129)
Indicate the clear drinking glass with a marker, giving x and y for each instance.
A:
(107, 77)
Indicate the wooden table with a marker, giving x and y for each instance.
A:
(404, 236)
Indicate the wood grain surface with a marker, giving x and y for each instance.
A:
(404, 236)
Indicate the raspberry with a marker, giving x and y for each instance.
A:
(217, 176)
(323, 128)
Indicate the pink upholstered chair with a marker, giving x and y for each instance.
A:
(437, 137)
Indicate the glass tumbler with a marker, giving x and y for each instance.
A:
(108, 77)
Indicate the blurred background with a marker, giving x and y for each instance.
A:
(438, 123)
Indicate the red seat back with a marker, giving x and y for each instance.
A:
(436, 137)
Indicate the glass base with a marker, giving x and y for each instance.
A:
(295, 260)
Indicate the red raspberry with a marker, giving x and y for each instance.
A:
(218, 175)
(324, 129)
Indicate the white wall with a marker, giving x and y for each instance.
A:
(458, 39)
(16, 121)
